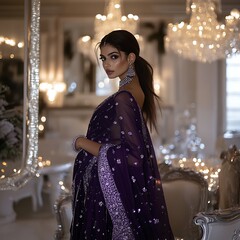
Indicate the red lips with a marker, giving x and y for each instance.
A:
(109, 72)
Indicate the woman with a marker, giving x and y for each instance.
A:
(117, 192)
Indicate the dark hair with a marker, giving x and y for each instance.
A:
(126, 42)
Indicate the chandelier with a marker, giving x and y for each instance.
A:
(204, 38)
(9, 47)
(104, 24)
(233, 22)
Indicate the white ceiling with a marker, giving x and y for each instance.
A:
(89, 8)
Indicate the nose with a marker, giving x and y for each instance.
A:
(106, 63)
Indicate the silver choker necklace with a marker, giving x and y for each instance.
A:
(129, 77)
(125, 81)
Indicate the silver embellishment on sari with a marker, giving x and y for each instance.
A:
(121, 224)
(87, 175)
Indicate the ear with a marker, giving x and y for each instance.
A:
(131, 58)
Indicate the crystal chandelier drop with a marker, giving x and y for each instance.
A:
(233, 23)
(112, 20)
(204, 38)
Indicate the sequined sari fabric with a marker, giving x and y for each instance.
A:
(118, 194)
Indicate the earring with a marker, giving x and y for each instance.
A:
(129, 76)
(131, 72)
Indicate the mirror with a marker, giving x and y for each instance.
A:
(79, 79)
(19, 109)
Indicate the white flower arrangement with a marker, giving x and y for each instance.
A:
(11, 125)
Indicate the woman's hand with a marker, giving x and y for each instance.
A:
(81, 142)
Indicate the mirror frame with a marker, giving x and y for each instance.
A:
(31, 79)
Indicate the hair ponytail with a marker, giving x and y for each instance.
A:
(145, 74)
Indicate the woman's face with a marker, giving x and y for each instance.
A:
(115, 62)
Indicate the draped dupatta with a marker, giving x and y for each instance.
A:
(118, 194)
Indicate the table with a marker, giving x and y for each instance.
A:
(56, 158)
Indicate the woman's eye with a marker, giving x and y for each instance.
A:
(114, 56)
(102, 58)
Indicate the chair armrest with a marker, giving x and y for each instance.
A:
(219, 224)
(63, 213)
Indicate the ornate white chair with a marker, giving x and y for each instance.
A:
(32, 189)
(229, 179)
(63, 213)
(219, 224)
(186, 194)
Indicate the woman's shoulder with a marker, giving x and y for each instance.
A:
(124, 96)
(133, 96)
(123, 93)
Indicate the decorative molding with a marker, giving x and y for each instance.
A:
(214, 220)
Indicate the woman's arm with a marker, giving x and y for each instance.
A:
(86, 144)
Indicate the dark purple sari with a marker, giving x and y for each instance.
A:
(118, 194)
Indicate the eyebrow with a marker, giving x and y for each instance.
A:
(109, 54)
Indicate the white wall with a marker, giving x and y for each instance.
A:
(207, 107)
(190, 82)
